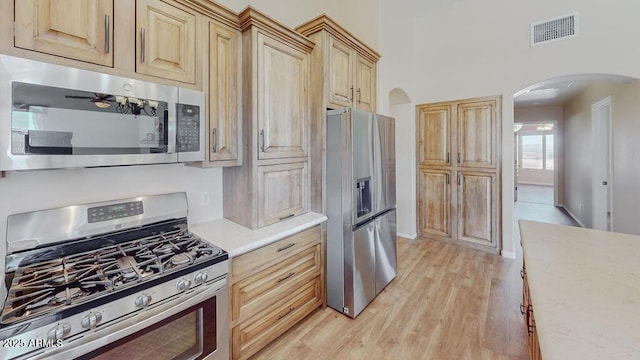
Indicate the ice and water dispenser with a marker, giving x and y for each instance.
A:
(363, 197)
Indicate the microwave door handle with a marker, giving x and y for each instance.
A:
(170, 133)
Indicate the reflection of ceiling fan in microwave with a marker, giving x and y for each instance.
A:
(125, 105)
(100, 100)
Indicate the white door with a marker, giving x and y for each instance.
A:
(601, 133)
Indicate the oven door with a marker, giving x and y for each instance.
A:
(192, 326)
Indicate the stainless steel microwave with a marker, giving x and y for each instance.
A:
(53, 116)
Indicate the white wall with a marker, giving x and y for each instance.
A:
(467, 48)
(625, 148)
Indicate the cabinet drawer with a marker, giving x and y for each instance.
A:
(251, 336)
(259, 291)
(259, 258)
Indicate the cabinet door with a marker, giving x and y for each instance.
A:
(434, 202)
(477, 134)
(434, 135)
(365, 84)
(167, 43)
(477, 212)
(282, 192)
(340, 78)
(282, 77)
(223, 93)
(77, 29)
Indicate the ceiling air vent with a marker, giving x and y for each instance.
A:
(555, 29)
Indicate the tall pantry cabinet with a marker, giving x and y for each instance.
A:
(273, 182)
(459, 172)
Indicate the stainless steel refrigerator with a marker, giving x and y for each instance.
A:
(361, 207)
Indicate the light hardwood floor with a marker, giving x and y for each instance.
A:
(447, 302)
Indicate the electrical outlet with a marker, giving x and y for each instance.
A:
(206, 197)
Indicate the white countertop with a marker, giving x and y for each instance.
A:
(237, 239)
(585, 291)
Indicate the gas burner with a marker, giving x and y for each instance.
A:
(181, 259)
(167, 248)
(65, 296)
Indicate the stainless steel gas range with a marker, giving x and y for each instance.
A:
(113, 280)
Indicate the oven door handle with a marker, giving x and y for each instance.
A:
(142, 319)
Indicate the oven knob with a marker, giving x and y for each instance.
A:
(183, 284)
(201, 278)
(143, 300)
(59, 331)
(91, 321)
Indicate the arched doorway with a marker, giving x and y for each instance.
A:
(583, 155)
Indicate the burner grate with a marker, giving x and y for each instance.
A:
(41, 288)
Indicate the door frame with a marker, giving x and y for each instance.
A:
(598, 115)
(556, 154)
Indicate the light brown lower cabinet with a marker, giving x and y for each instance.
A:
(529, 320)
(273, 288)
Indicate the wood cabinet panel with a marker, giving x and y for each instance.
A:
(274, 282)
(460, 138)
(167, 41)
(434, 129)
(76, 29)
(282, 192)
(260, 258)
(477, 131)
(249, 337)
(340, 78)
(434, 204)
(282, 99)
(365, 84)
(223, 93)
(274, 287)
(476, 207)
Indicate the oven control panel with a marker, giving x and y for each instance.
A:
(115, 211)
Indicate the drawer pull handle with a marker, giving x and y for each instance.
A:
(287, 313)
(521, 309)
(522, 273)
(286, 247)
(286, 277)
(288, 216)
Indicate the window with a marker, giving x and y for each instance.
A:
(537, 152)
(532, 154)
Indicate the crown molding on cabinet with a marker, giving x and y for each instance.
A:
(214, 11)
(252, 17)
(324, 22)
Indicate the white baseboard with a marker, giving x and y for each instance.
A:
(407, 236)
(508, 254)
(573, 216)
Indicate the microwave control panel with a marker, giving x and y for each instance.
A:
(188, 128)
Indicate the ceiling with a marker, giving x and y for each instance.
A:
(560, 90)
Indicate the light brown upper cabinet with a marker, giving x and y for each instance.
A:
(282, 105)
(347, 66)
(343, 75)
(77, 29)
(459, 195)
(273, 182)
(224, 105)
(166, 45)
